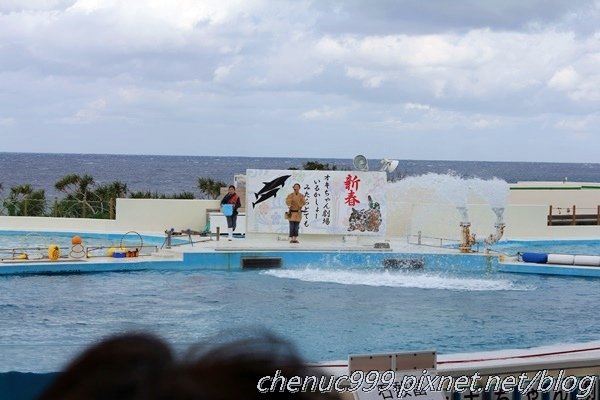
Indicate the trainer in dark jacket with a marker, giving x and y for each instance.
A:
(232, 198)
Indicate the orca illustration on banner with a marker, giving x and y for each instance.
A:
(265, 196)
(277, 182)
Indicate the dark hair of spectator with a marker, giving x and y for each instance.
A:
(142, 367)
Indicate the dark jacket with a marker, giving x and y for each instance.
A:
(232, 199)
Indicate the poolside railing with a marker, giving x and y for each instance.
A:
(92, 251)
(573, 215)
(420, 240)
(40, 253)
(65, 208)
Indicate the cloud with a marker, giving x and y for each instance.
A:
(418, 117)
(571, 82)
(422, 17)
(566, 78)
(176, 14)
(580, 136)
(143, 95)
(478, 63)
(369, 79)
(88, 114)
(253, 67)
(580, 124)
(222, 72)
(416, 106)
(16, 6)
(324, 113)
(7, 121)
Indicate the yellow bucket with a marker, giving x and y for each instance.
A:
(53, 252)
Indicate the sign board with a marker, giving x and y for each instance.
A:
(405, 385)
(395, 376)
(337, 202)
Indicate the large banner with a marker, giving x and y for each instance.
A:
(337, 202)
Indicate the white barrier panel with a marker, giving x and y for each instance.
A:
(394, 376)
(403, 385)
(593, 261)
(217, 219)
(562, 259)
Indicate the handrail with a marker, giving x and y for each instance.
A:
(420, 238)
(89, 249)
(571, 217)
(14, 251)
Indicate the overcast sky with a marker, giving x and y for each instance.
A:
(496, 80)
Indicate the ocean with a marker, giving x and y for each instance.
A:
(176, 174)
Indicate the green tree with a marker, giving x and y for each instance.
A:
(108, 195)
(184, 196)
(150, 195)
(210, 187)
(78, 197)
(144, 195)
(317, 166)
(24, 201)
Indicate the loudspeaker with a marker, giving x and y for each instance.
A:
(388, 165)
(360, 163)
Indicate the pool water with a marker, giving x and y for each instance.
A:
(36, 243)
(327, 312)
(588, 247)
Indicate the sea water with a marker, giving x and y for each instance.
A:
(175, 174)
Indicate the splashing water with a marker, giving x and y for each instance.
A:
(450, 188)
(398, 279)
(433, 188)
(494, 191)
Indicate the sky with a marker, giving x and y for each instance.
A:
(490, 80)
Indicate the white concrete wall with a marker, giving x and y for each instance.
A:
(156, 215)
(525, 217)
(530, 222)
(438, 220)
(443, 221)
(142, 215)
(529, 202)
(58, 224)
(584, 195)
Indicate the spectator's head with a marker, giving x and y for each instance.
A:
(234, 370)
(121, 367)
(140, 366)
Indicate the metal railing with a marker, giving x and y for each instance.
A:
(40, 253)
(573, 215)
(132, 251)
(98, 209)
(420, 240)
